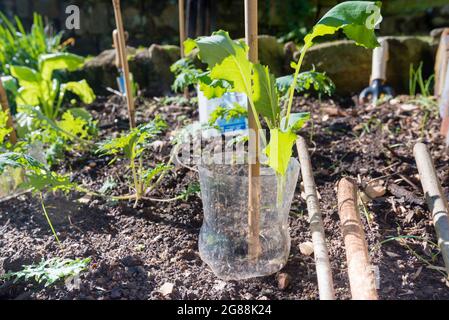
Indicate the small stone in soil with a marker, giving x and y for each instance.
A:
(284, 280)
(306, 248)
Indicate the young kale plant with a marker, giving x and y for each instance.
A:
(309, 81)
(37, 178)
(228, 61)
(132, 146)
(49, 271)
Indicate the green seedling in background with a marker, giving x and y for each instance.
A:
(132, 146)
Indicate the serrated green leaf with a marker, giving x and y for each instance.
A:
(213, 88)
(75, 126)
(49, 271)
(4, 130)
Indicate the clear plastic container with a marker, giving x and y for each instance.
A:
(223, 241)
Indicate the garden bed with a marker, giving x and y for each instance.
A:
(136, 251)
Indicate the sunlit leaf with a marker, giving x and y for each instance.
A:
(81, 89)
(59, 61)
(265, 96)
(279, 150)
(357, 19)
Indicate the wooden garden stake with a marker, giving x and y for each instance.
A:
(182, 34)
(118, 54)
(254, 166)
(361, 276)
(323, 267)
(5, 108)
(441, 62)
(443, 104)
(124, 62)
(435, 197)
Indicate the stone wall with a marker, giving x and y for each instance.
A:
(156, 21)
(147, 21)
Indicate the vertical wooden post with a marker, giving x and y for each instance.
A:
(5, 108)
(443, 105)
(182, 34)
(254, 166)
(124, 63)
(441, 61)
(118, 54)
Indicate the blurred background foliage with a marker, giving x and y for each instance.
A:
(156, 21)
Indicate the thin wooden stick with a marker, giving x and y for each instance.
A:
(443, 106)
(5, 108)
(124, 63)
(441, 61)
(361, 277)
(435, 197)
(182, 34)
(254, 167)
(118, 54)
(323, 266)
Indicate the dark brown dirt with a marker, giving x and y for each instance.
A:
(136, 251)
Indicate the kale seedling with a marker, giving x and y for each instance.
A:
(49, 271)
(132, 145)
(228, 62)
(37, 178)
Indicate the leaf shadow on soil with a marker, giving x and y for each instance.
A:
(67, 216)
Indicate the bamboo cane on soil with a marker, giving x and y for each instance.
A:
(5, 108)
(254, 166)
(435, 197)
(124, 62)
(361, 276)
(323, 267)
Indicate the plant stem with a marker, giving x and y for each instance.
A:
(48, 218)
(170, 161)
(293, 84)
(136, 182)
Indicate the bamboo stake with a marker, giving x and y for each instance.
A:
(441, 61)
(361, 277)
(435, 197)
(323, 267)
(182, 35)
(443, 106)
(124, 63)
(5, 108)
(118, 54)
(254, 166)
